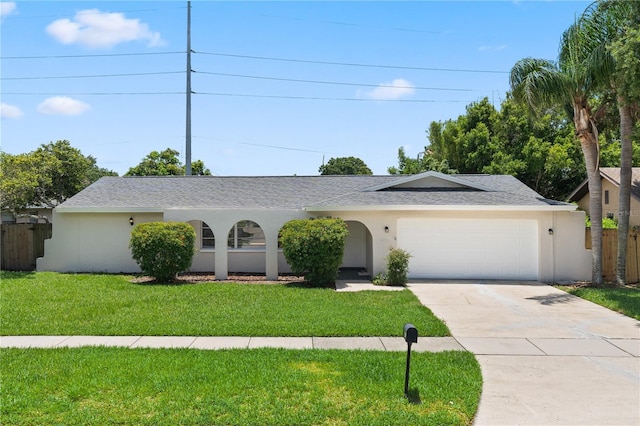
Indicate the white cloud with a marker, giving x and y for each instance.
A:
(7, 8)
(62, 105)
(10, 111)
(397, 89)
(96, 29)
(492, 48)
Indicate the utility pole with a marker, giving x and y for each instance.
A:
(188, 121)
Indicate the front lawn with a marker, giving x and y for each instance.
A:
(47, 303)
(96, 386)
(623, 300)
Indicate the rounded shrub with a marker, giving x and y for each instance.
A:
(397, 266)
(314, 247)
(163, 249)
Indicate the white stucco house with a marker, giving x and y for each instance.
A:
(454, 226)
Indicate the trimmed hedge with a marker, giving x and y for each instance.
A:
(314, 247)
(163, 249)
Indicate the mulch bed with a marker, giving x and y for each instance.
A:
(203, 277)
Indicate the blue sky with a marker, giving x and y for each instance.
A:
(279, 86)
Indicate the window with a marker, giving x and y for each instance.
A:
(208, 240)
(606, 197)
(246, 235)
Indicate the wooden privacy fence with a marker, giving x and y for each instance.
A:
(610, 253)
(22, 244)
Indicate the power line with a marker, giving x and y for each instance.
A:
(95, 55)
(324, 99)
(239, 76)
(287, 148)
(92, 93)
(83, 13)
(93, 76)
(241, 95)
(351, 24)
(332, 82)
(268, 58)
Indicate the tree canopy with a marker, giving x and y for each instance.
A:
(539, 151)
(47, 176)
(345, 166)
(166, 163)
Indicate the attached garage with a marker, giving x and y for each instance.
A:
(471, 248)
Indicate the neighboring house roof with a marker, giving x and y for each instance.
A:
(307, 192)
(612, 174)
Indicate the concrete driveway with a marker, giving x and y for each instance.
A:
(547, 357)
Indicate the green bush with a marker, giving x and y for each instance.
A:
(314, 247)
(607, 223)
(380, 279)
(397, 266)
(163, 249)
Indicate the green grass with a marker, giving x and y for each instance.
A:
(47, 303)
(96, 386)
(623, 300)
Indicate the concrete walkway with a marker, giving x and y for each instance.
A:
(425, 344)
(547, 357)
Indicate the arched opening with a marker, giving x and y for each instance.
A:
(204, 259)
(246, 235)
(357, 261)
(246, 245)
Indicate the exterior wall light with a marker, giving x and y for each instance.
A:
(131, 221)
(550, 231)
(386, 229)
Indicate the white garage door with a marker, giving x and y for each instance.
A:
(471, 248)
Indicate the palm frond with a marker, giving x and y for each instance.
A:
(538, 83)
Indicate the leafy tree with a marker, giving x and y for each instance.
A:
(539, 151)
(424, 163)
(166, 163)
(345, 166)
(20, 181)
(47, 176)
(163, 249)
(314, 247)
(197, 169)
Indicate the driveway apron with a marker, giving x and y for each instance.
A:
(547, 357)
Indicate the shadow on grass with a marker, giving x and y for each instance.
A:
(152, 282)
(307, 284)
(413, 396)
(18, 274)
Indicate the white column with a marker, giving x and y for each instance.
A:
(271, 237)
(222, 265)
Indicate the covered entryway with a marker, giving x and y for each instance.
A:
(357, 249)
(470, 248)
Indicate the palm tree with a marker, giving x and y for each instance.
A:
(601, 25)
(569, 82)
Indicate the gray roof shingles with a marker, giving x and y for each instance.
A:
(290, 192)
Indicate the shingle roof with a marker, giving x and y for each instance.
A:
(613, 175)
(296, 192)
